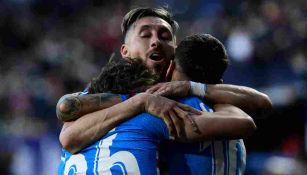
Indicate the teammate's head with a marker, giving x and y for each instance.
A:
(150, 35)
(123, 76)
(201, 58)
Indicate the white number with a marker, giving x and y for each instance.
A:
(75, 163)
(124, 160)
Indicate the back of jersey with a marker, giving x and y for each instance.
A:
(223, 157)
(128, 149)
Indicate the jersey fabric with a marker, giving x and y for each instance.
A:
(224, 157)
(131, 149)
(128, 149)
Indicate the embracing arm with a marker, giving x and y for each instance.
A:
(248, 99)
(73, 106)
(76, 135)
(227, 122)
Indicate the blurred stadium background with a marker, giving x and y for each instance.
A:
(53, 47)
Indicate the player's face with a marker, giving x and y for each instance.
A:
(151, 39)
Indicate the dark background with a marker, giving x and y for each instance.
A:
(50, 48)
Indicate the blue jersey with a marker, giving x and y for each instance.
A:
(128, 149)
(131, 149)
(224, 157)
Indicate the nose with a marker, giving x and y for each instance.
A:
(155, 41)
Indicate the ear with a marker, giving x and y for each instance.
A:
(124, 51)
(170, 70)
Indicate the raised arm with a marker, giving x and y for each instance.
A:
(248, 99)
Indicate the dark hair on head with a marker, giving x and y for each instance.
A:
(123, 77)
(202, 58)
(141, 12)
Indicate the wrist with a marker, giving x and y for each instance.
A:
(198, 89)
(141, 101)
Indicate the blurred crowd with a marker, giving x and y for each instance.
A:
(51, 48)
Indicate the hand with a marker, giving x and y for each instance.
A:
(173, 114)
(173, 88)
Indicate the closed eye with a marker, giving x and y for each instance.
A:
(145, 34)
(166, 36)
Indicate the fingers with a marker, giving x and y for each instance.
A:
(159, 89)
(163, 91)
(178, 123)
(153, 89)
(187, 116)
(171, 128)
(189, 109)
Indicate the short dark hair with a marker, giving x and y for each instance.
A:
(202, 58)
(123, 77)
(141, 12)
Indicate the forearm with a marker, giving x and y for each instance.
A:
(93, 126)
(228, 122)
(248, 99)
(72, 106)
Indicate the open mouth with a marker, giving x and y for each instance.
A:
(156, 56)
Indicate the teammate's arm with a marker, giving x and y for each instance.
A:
(73, 106)
(248, 99)
(227, 122)
(76, 135)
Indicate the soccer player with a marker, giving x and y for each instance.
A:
(131, 147)
(203, 58)
(143, 27)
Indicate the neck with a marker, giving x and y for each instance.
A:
(179, 76)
